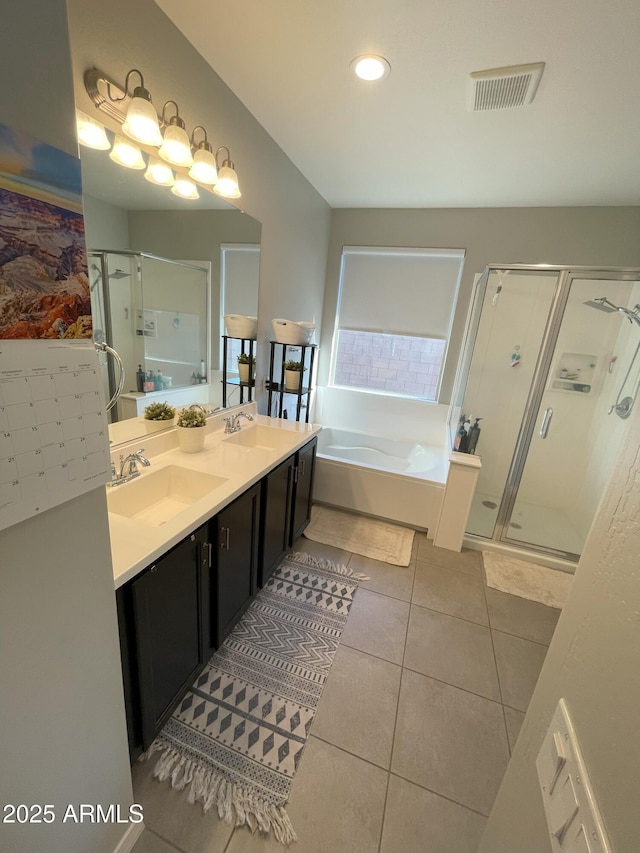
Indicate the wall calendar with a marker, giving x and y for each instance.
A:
(54, 442)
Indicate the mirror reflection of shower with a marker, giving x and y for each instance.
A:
(623, 405)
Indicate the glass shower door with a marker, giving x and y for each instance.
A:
(569, 442)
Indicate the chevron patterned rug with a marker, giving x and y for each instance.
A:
(237, 738)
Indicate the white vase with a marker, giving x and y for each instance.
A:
(190, 439)
(156, 426)
(292, 380)
(244, 373)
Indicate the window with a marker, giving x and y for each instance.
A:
(395, 309)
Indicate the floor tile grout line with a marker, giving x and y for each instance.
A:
(495, 660)
(518, 637)
(348, 752)
(384, 811)
(453, 616)
(166, 840)
(438, 794)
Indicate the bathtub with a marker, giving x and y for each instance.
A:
(400, 481)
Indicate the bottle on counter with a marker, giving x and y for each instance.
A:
(462, 436)
(474, 435)
(159, 381)
(140, 377)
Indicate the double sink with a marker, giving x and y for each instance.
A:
(159, 495)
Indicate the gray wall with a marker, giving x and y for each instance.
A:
(120, 35)
(598, 236)
(62, 724)
(106, 226)
(593, 663)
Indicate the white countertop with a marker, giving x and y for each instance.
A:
(135, 544)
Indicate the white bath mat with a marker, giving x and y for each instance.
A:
(389, 543)
(538, 583)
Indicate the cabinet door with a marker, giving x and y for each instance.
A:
(236, 561)
(276, 518)
(168, 628)
(303, 489)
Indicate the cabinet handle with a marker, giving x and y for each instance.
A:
(225, 539)
(546, 423)
(301, 466)
(294, 473)
(154, 568)
(209, 548)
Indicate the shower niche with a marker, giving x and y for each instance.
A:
(550, 434)
(154, 312)
(574, 372)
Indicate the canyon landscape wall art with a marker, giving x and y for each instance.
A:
(44, 286)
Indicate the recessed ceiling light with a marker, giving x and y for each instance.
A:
(370, 67)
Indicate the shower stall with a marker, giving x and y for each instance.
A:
(154, 312)
(551, 365)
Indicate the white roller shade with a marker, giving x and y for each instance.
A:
(399, 291)
(240, 276)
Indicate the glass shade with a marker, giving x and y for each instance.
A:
(204, 167)
(227, 183)
(142, 123)
(91, 133)
(126, 154)
(370, 67)
(158, 172)
(176, 148)
(184, 188)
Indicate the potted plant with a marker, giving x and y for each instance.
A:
(293, 371)
(158, 416)
(190, 428)
(246, 368)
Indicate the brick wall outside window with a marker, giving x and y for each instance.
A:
(396, 364)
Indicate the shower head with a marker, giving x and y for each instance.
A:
(602, 304)
(119, 274)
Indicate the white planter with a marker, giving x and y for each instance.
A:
(245, 374)
(190, 439)
(156, 426)
(292, 380)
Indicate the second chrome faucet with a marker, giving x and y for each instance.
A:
(233, 422)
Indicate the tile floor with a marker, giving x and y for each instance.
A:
(424, 701)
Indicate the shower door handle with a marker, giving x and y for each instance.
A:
(546, 422)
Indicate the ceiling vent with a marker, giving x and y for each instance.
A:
(502, 88)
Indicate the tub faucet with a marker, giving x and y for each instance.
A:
(233, 422)
(128, 467)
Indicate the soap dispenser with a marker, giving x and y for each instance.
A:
(474, 435)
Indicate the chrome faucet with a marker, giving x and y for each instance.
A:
(128, 467)
(233, 422)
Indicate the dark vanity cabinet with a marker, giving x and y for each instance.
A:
(235, 531)
(176, 613)
(302, 489)
(163, 635)
(286, 507)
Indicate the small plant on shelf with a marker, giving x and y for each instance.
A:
(192, 417)
(293, 370)
(244, 358)
(246, 368)
(159, 412)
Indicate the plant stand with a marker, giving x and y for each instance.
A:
(247, 345)
(278, 387)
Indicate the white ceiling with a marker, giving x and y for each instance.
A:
(409, 141)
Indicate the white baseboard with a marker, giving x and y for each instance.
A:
(128, 840)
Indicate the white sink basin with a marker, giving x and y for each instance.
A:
(261, 437)
(158, 496)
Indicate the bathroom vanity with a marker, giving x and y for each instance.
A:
(204, 565)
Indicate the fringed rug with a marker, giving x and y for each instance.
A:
(237, 738)
(370, 537)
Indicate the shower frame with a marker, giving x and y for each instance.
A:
(566, 274)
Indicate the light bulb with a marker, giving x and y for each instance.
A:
(176, 148)
(126, 154)
(91, 133)
(142, 122)
(158, 172)
(204, 167)
(184, 188)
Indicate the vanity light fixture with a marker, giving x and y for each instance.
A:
(227, 183)
(159, 172)
(205, 168)
(184, 188)
(193, 162)
(141, 123)
(91, 133)
(175, 148)
(126, 154)
(370, 67)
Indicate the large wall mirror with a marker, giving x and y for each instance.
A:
(159, 261)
